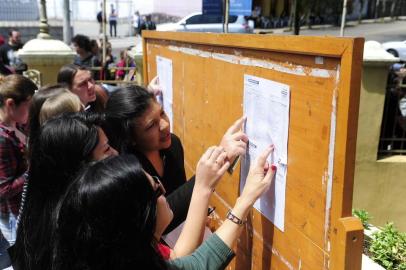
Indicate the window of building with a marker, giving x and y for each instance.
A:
(393, 129)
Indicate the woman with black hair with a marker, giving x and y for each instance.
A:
(99, 230)
(137, 124)
(62, 146)
(57, 100)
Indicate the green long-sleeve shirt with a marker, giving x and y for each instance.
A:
(213, 254)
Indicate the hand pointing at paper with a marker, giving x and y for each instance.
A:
(235, 140)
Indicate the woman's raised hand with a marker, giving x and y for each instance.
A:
(154, 87)
(211, 167)
(259, 178)
(235, 140)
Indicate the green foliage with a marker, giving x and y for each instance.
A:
(388, 248)
(363, 216)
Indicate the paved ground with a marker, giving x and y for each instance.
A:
(381, 32)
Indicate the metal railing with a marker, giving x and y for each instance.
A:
(131, 75)
(393, 129)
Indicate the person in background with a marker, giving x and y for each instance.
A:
(148, 23)
(85, 57)
(108, 44)
(113, 17)
(59, 104)
(4, 70)
(16, 92)
(8, 53)
(99, 18)
(137, 23)
(95, 50)
(125, 61)
(109, 64)
(79, 81)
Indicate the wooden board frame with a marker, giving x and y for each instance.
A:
(339, 244)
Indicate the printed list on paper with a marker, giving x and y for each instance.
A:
(266, 106)
(164, 72)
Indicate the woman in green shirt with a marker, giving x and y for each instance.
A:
(112, 216)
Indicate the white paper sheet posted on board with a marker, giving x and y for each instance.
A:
(266, 106)
(165, 74)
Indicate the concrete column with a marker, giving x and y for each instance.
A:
(46, 56)
(378, 184)
(373, 89)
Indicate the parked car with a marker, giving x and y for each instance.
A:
(198, 22)
(397, 48)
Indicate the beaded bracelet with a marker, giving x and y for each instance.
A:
(230, 216)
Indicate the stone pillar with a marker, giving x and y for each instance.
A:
(47, 56)
(378, 185)
(373, 89)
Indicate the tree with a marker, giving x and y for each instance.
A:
(361, 8)
(304, 10)
(296, 17)
(394, 7)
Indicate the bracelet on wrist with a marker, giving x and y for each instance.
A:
(233, 218)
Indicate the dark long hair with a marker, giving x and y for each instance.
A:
(64, 144)
(107, 219)
(123, 106)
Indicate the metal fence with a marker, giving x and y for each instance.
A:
(131, 76)
(393, 129)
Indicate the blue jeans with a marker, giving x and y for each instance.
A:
(4, 257)
(8, 227)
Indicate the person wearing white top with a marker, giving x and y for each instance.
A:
(136, 23)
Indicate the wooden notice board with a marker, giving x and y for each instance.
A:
(324, 78)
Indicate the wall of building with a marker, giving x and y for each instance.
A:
(379, 185)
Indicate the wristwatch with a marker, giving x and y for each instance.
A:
(230, 216)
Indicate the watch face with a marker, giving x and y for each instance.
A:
(235, 219)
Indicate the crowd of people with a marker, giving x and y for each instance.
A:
(89, 54)
(93, 180)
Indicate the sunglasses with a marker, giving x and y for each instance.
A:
(160, 190)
